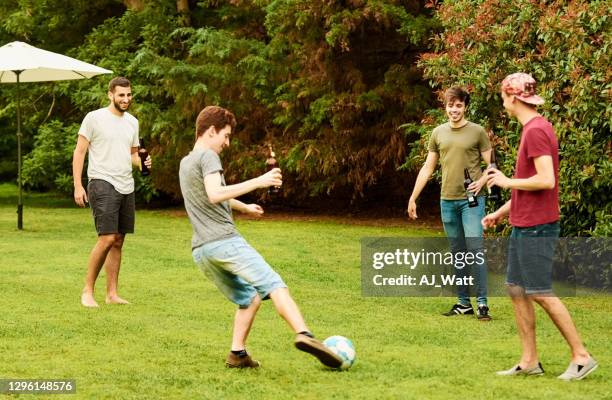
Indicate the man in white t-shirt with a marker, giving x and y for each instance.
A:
(110, 134)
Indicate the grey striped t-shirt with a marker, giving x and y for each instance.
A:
(210, 221)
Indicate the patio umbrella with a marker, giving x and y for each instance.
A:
(20, 62)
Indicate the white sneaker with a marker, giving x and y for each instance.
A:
(576, 372)
(517, 370)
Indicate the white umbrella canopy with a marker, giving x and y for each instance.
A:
(20, 62)
(39, 65)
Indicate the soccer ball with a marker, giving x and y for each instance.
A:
(342, 347)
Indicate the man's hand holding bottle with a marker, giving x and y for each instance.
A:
(271, 178)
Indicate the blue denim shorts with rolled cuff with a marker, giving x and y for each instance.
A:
(237, 269)
(531, 253)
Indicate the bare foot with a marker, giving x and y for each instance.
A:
(116, 300)
(87, 300)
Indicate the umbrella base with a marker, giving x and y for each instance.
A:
(20, 216)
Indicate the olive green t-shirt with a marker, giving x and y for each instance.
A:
(458, 148)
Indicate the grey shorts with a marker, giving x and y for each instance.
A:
(113, 212)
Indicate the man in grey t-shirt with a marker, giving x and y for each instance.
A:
(237, 269)
(110, 134)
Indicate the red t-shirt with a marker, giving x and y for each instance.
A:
(529, 208)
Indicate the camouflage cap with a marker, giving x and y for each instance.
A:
(523, 86)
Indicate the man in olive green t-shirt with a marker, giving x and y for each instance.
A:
(459, 144)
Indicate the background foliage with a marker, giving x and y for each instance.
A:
(566, 46)
(327, 83)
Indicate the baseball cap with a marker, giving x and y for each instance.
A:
(523, 86)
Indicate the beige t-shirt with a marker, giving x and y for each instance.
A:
(458, 148)
(111, 139)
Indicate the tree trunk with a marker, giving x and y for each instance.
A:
(182, 6)
(134, 5)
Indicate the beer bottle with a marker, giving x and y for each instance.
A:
(143, 154)
(271, 163)
(494, 191)
(471, 197)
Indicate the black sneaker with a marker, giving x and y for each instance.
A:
(460, 309)
(483, 313)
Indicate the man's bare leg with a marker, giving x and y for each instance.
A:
(304, 340)
(286, 308)
(525, 322)
(561, 317)
(243, 323)
(94, 265)
(112, 267)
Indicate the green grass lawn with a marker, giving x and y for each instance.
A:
(171, 342)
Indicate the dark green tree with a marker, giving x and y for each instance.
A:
(347, 80)
(327, 83)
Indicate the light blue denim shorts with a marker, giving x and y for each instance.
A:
(237, 269)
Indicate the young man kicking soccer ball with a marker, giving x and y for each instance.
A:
(237, 269)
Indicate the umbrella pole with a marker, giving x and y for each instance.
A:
(20, 201)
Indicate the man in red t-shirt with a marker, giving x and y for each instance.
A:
(534, 215)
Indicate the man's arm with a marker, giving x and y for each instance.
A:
(542, 180)
(252, 209)
(218, 193)
(135, 157)
(476, 186)
(496, 217)
(237, 205)
(424, 174)
(486, 156)
(78, 160)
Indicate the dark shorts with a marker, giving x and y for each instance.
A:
(530, 257)
(113, 212)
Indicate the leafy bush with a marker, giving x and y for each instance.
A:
(584, 261)
(50, 161)
(348, 83)
(566, 46)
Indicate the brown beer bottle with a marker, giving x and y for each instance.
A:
(143, 154)
(471, 197)
(271, 163)
(494, 191)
